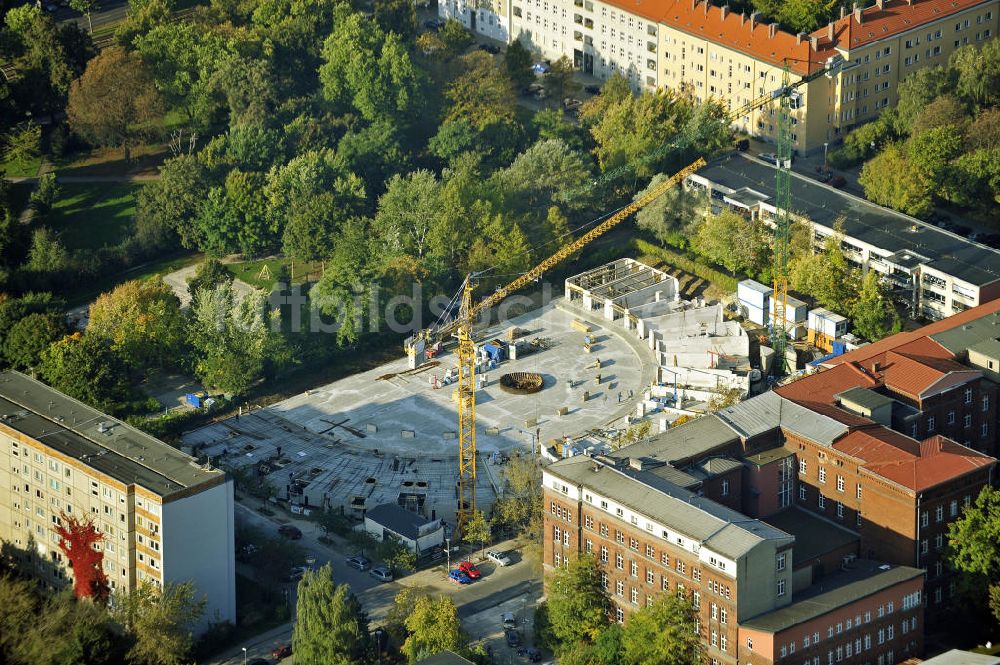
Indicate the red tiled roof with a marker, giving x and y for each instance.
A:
(816, 392)
(907, 462)
(894, 17)
(866, 354)
(721, 26)
(914, 375)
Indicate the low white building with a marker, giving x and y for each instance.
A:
(412, 529)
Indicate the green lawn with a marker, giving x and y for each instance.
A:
(93, 215)
(251, 272)
(95, 287)
(15, 169)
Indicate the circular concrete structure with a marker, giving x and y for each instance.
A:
(521, 383)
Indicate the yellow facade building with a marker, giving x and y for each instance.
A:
(708, 51)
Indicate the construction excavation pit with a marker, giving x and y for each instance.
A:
(521, 383)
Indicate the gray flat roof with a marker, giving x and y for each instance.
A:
(695, 438)
(397, 519)
(73, 429)
(958, 657)
(444, 658)
(877, 226)
(865, 397)
(961, 338)
(814, 536)
(717, 527)
(768, 411)
(833, 592)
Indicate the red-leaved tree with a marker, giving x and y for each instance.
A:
(77, 543)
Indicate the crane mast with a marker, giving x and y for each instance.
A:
(466, 409)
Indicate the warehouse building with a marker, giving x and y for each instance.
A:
(165, 518)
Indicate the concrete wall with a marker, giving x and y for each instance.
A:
(198, 546)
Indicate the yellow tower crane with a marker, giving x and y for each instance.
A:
(461, 327)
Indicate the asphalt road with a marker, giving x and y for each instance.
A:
(109, 12)
(498, 585)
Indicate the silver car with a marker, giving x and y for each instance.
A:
(381, 573)
(499, 558)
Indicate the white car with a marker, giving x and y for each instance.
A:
(499, 558)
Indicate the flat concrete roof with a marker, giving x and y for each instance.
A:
(831, 593)
(74, 429)
(958, 657)
(814, 536)
(984, 330)
(877, 226)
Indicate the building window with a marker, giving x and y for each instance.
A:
(780, 561)
(821, 502)
(985, 430)
(802, 493)
(604, 554)
(930, 424)
(725, 487)
(840, 510)
(953, 508)
(750, 643)
(923, 546)
(619, 614)
(723, 615)
(939, 514)
(840, 483)
(923, 518)
(634, 569)
(619, 561)
(859, 491)
(803, 466)
(620, 588)
(781, 587)
(635, 596)
(822, 474)
(968, 395)
(986, 399)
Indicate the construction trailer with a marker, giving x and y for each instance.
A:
(824, 328)
(754, 301)
(796, 316)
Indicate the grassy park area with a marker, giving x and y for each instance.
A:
(93, 215)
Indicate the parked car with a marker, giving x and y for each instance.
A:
(532, 654)
(768, 157)
(290, 532)
(489, 48)
(838, 181)
(470, 569)
(571, 104)
(825, 176)
(458, 577)
(381, 573)
(359, 562)
(283, 651)
(592, 89)
(297, 572)
(542, 67)
(498, 557)
(434, 24)
(508, 620)
(513, 639)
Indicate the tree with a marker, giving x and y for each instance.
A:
(930, 153)
(86, 368)
(330, 627)
(482, 94)
(44, 196)
(369, 70)
(142, 322)
(343, 292)
(174, 200)
(407, 212)
(520, 508)
(724, 398)
(552, 124)
(477, 530)
(984, 132)
(673, 217)
(28, 338)
(945, 110)
(398, 16)
(85, 7)
(977, 71)
(911, 195)
(433, 627)
(234, 217)
(874, 315)
(236, 341)
(826, 275)
(559, 80)
(114, 101)
(455, 38)
(160, 620)
(517, 61)
(77, 540)
(578, 604)
(972, 550)
(23, 143)
(208, 275)
(662, 634)
(541, 174)
(802, 15)
(47, 254)
(918, 90)
(729, 239)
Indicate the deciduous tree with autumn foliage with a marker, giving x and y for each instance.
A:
(77, 544)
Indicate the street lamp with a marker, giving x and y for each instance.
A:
(244, 656)
(825, 146)
(447, 551)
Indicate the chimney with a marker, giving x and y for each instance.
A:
(880, 4)
(743, 18)
(843, 11)
(830, 31)
(814, 43)
(753, 20)
(859, 15)
(771, 30)
(707, 5)
(725, 11)
(694, 4)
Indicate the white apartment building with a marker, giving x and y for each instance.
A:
(164, 517)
